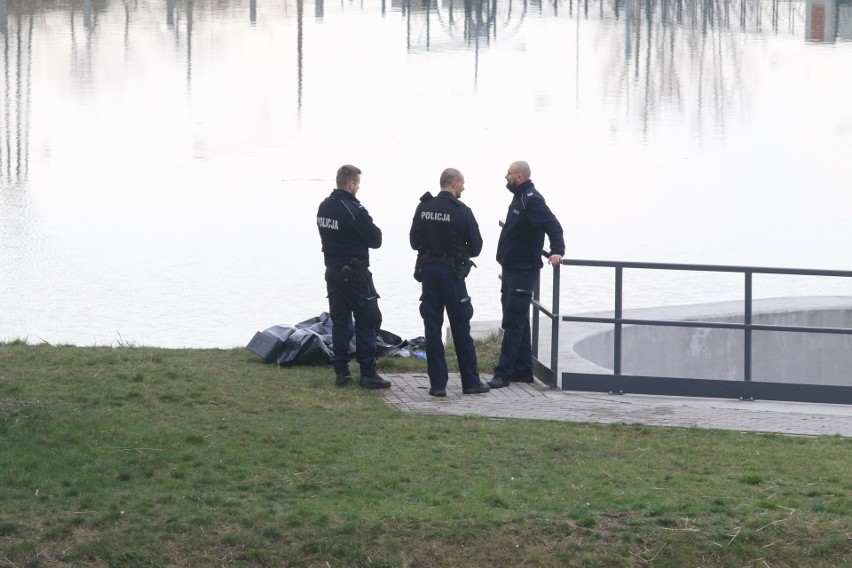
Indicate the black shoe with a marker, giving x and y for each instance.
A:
(498, 382)
(527, 379)
(374, 382)
(343, 380)
(478, 389)
(438, 392)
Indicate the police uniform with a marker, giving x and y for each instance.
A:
(445, 235)
(347, 232)
(519, 254)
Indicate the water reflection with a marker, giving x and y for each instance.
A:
(829, 20)
(466, 20)
(152, 153)
(457, 23)
(16, 87)
(670, 53)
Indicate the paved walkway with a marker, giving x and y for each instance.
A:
(410, 393)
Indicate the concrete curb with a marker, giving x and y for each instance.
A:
(410, 393)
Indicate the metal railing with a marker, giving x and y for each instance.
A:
(549, 376)
(619, 382)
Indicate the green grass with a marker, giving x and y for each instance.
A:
(137, 457)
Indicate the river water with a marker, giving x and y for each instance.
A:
(161, 161)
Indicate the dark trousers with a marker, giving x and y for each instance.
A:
(347, 298)
(516, 294)
(442, 289)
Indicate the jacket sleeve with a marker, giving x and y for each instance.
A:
(368, 230)
(540, 215)
(473, 237)
(414, 234)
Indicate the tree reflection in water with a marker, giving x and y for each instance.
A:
(16, 34)
(691, 55)
(161, 128)
(687, 55)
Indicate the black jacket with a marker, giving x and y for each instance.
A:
(522, 238)
(346, 229)
(444, 229)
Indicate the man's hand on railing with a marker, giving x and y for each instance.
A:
(555, 260)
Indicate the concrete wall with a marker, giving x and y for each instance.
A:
(718, 354)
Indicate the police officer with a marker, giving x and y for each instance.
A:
(347, 232)
(445, 235)
(519, 254)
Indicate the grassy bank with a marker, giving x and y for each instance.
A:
(137, 457)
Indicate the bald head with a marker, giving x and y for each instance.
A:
(448, 176)
(518, 173)
(452, 180)
(521, 168)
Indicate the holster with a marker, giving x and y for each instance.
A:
(462, 268)
(418, 268)
(355, 271)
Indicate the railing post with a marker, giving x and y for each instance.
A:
(616, 348)
(554, 330)
(747, 329)
(537, 298)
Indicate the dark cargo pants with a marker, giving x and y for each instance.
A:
(442, 289)
(353, 297)
(516, 292)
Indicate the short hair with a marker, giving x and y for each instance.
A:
(448, 176)
(522, 168)
(345, 174)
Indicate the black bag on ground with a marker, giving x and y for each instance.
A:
(309, 343)
(265, 345)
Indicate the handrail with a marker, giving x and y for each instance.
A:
(711, 325)
(825, 392)
(707, 267)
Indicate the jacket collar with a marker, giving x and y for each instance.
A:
(447, 195)
(343, 194)
(520, 189)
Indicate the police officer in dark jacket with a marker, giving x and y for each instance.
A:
(519, 254)
(445, 235)
(347, 232)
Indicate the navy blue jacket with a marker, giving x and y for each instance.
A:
(522, 238)
(346, 229)
(445, 229)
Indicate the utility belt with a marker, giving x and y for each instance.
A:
(461, 266)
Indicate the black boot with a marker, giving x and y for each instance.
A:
(498, 382)
(477, 389)
(373, 382)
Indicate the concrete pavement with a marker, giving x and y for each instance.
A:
(410, 393)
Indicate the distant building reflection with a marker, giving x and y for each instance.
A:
(16, 33)
(827, 21)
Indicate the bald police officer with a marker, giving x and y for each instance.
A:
(446, 236)
(347, 232)
(519, 254)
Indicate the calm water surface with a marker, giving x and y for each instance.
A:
(161, 161)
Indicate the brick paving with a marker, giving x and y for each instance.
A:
(410, 393)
